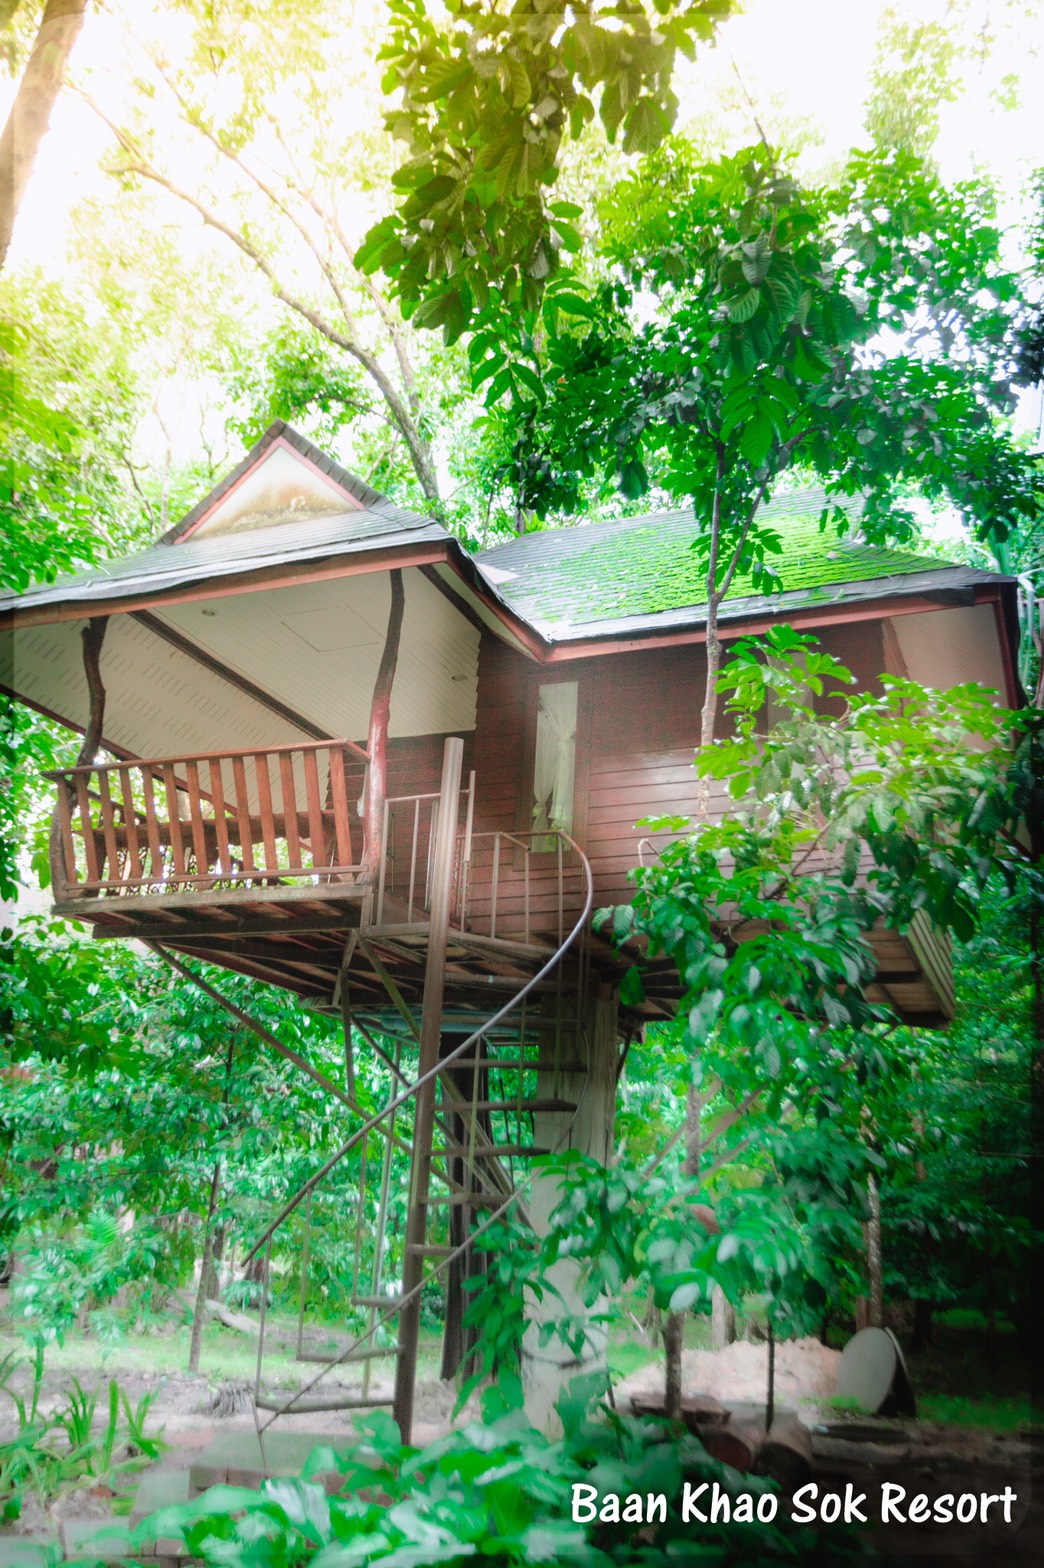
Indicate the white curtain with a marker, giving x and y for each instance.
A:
(555, 763)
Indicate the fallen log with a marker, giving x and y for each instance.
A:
(736, 1443)
(222, 1314)
(786, 1453)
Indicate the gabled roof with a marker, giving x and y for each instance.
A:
(355, 493)
(556, 592)
(636, 573)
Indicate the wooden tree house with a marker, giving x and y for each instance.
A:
(327, 747)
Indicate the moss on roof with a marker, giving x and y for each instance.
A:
(646, 565)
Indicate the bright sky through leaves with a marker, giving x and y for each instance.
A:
(810, 59)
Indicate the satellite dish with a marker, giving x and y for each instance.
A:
(873, 1374)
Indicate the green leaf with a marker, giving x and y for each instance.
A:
(632, 991)
(520, 88)
(745, 306)
(684, 1297)
(634, 481)
(757, 436)
(645, 127)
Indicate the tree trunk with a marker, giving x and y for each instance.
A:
(200, 1313)
(377, 741)
(874, 1270)
(27, 122)
(673, 1342)
(93, 635)
(723, 1319)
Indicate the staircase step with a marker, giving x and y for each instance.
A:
(376, 1354)
(308, 1405)
(526, 1106)
(532, 1064)
(494, 1149)
(477, 1200)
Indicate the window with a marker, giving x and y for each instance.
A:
(554, 765)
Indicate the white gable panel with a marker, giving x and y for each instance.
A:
(283, 486)
(945, 648)
(158, 701)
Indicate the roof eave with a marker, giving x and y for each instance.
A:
(870, 600)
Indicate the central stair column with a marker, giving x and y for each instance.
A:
(547, 1369)
(424, 1100)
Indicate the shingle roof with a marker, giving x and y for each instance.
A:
(226, 555)
(634, 568)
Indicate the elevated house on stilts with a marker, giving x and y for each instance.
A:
(327, 747)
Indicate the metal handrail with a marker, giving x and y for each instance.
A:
(457, 1252)
(445, 1061)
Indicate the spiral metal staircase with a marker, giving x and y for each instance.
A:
(487, 1085)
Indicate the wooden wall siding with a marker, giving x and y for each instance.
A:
(638, 723)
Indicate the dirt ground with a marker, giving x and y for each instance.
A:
(806, 1375)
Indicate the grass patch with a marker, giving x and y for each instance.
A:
(993, 1413)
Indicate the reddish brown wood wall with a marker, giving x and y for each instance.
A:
(638, 723)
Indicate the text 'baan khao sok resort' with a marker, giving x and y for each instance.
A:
(326, 747)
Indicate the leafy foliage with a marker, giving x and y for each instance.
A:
(497, 1490)
(67, 1447)
(486, 99)
(867, 331)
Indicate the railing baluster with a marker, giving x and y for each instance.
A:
(90, 848)
(199, 832)
(152, 833)
(526, 874)
(293, 837)
(413, 855)
(130, 822)
(264, 806)
(561, 892)
(315, 809)
(217, 795)
(108, 823)
(382, 875)
(339, 802)
(182, 820)
(246, 831)
(177, 844)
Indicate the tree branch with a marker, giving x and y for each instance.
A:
(400, 414)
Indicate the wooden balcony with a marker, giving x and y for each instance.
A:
(253, 861)
(146, 846)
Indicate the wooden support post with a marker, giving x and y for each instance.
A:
(93, 635)
(377, 741)
(548, 1369)
(424, 1103)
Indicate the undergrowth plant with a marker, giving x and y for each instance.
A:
(55, 1451)
(497, 1491)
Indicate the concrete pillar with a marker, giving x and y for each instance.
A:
(547, 1369)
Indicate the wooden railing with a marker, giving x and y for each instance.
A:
(233, 818)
